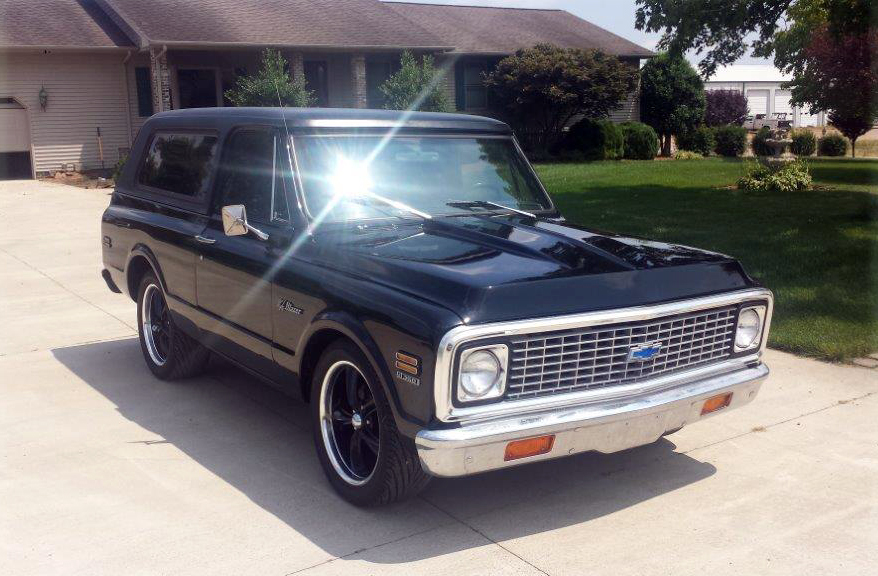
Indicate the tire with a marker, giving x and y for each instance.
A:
(343, 420)
(170, 354)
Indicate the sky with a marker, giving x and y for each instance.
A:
(617, 16)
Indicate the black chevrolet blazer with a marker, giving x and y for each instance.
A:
(408, 275)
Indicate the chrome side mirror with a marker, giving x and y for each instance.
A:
(235, 222)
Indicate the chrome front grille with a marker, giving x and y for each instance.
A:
(579, 359)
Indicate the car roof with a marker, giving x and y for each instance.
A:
(328, 119)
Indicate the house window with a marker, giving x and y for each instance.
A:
(474, 89)
(317, 82)
(144, 91)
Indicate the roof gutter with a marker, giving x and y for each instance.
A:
(62, 48)
(197, 45)
(127, 91)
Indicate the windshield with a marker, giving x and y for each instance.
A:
(343, 176)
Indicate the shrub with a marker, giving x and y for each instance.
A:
(120, 164)
(788, 178)
(593, 140)
(804, 142)
(271, 86)
(760, 148)
(730, 140)
(725, 107)
(832, 145)
(688, 155)
(700, 140)
(641, 141)
(415, 86)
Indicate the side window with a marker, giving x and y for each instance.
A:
(476, 93)
(179, 163)
(250, 175)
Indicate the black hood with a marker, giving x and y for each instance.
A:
(490, 268)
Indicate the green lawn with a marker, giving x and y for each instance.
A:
(817, 250)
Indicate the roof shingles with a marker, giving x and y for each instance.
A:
(305, 23)
(336, 24)
(476, 29)
(57, 23)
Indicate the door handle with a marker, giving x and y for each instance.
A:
(205, 239)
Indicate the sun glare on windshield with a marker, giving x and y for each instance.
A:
(350, 179)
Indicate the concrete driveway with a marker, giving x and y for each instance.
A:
(106, 470)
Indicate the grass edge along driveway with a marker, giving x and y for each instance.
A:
(817, 250)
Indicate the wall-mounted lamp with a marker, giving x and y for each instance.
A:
(44, 98)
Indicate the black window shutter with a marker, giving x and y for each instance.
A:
(459, 87)
(144, 92)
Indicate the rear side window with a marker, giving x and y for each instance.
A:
(179, 163)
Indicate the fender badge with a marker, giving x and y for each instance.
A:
(288, 306)
(414, 381)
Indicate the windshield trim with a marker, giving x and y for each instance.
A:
(303, 202)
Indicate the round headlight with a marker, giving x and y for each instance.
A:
(749, 325)
(479, 373)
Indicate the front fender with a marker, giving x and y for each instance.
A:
(354, 329)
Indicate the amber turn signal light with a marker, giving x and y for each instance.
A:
(529, 447)
(715, 403)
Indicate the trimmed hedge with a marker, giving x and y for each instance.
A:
(593, 140)
(804, 142)
(832, 145)
(641, 141)
(760, 148)
(730, 140)
(700, 140)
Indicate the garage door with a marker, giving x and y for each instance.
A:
(757, 101)
(808, 119)
(15, 159)
(782, 102)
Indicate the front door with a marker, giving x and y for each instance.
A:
(234, 273)
(317, 81)
(197, 88)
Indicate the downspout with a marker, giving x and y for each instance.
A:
(127, 92)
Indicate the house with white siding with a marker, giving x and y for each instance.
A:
(762, 84)
(79, 77)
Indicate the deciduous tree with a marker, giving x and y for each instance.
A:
(672, 97)
(725, 107)
(541, 89)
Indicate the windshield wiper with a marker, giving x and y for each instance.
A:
(485, 203)
(388, 202)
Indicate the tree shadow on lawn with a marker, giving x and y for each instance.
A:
(841, 172)
(818, 249)
(258, 440)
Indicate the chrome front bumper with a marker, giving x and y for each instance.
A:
(608, 426)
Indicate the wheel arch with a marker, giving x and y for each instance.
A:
(141, 260)
(331, 326)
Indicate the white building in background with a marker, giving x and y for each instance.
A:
(761, 84)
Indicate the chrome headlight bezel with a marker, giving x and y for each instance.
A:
(500, 353)
(760, 310)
